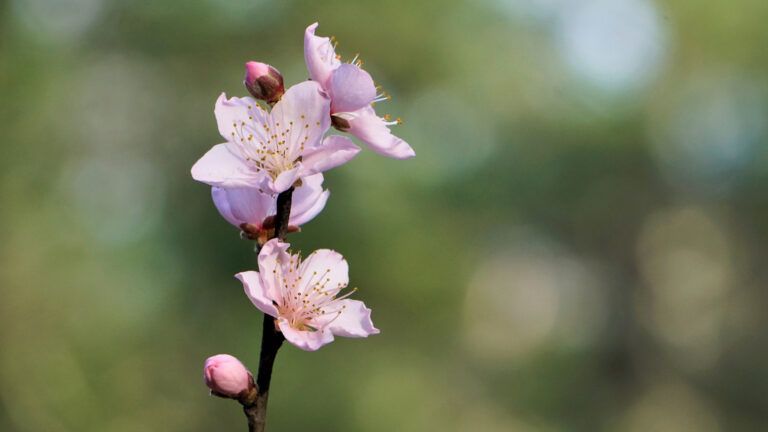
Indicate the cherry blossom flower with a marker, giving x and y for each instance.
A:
(302, 296)
(226, 376)
(253, 211)
(352, 94)
(273, 150)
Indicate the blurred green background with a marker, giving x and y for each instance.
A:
(580, 244)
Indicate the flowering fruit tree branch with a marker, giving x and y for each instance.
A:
(267, 180)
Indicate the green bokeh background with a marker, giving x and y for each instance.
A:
(580, 244)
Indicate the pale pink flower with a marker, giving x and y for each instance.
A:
(272, 150)
(253, 210)
(226, 376)
(302, 296)
(352, 94)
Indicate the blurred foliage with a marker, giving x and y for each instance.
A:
(580, 244)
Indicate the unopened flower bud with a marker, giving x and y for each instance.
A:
(227, 377)
(263, 82)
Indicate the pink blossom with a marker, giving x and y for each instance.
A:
(353, 93)
(273, 150)
(226, 376)
(253, 210)
(302, 296)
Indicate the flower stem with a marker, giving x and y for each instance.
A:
(283, 213)
(271, 338)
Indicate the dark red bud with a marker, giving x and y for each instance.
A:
(263, 82)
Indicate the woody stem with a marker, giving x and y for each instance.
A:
(271, 338)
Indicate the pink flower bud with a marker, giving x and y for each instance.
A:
(263, 81)
(227, 377)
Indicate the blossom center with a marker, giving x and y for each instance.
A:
(309, 301)
(270, 145)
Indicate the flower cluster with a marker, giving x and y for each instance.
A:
(276, 142)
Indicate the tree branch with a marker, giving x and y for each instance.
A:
(283, 213)
(271, 338)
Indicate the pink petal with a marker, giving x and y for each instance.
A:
(243, 204)
(257, 292)
(304, 339)
(227, 376)
(220, 166)
(354, 321)
(335, 150)
(305, 196)
(308, 110)
(372, 130)
(351, 89)
(308, 200)
(327, 267)
(320, 56)
(221, 202)
(273, 260)
(307, 215)
(232, 113)
(284, 180)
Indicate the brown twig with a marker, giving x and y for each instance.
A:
(283, 213)
(271, 339)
